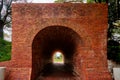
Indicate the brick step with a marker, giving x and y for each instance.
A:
(18, 74)
(58, 78)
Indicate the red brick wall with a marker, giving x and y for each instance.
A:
(89, 21)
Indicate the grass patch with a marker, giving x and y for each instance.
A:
(58, 60)
(5, 50)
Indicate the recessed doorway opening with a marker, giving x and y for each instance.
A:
(53, 51)
(58, 57)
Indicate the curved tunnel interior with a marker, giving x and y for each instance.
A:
(45, 43)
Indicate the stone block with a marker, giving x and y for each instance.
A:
(116, 73)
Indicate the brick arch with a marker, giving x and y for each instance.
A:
(48, 40)
(79, 28)
(89, 21)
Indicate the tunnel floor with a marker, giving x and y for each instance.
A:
(58, 77)
(57, 72)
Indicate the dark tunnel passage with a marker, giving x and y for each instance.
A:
(45, 43)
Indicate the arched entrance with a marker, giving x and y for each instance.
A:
(58, 57)
(36, 43)
(50, 42)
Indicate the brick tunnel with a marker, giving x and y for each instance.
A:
(45, 43)
(77, 30)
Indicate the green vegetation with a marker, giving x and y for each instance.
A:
(58, 59)
(5, 50)
(113, 30)
(114, 51)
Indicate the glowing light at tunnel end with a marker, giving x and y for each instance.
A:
(58, 57)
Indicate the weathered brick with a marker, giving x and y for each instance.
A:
(85, 24)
